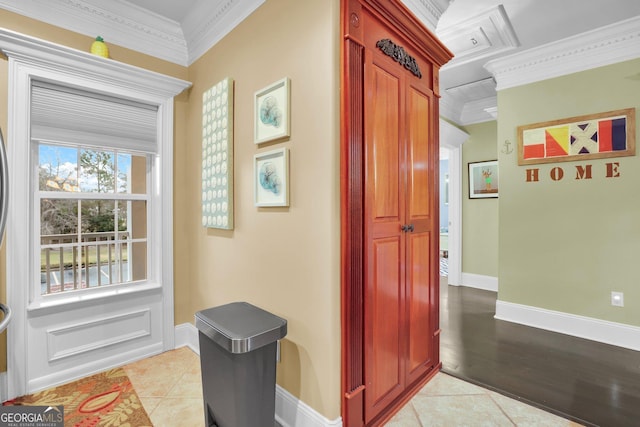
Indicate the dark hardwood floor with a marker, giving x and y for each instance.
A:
(588, 382)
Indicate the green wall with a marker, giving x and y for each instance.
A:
(565, 245)
(479, 216)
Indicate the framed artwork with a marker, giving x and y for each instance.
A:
(271, 178)
(272, 112)
(595, 136)
(483, 179)
(217, 156)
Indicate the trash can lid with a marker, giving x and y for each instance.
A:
(240, 327)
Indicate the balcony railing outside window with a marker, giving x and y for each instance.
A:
(98, 259)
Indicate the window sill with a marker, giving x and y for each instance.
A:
(89, 295)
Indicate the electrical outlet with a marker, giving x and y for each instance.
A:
(617, 299)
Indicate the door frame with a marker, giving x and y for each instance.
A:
(452, 138)
(30, 58)
(352, 191)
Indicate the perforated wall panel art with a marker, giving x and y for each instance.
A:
(217, 155)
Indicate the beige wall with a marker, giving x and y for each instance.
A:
(285, 260)
(64, 37)
(566, 245)
(479, 216)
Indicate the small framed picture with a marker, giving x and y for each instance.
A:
(271, 112)
(271, 178)
(483, 180)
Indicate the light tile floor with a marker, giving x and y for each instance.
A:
(447, 401)
(169, 386)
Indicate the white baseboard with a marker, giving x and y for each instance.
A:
(187, 336)
(617, 334)
(478, 281)
(290, 411)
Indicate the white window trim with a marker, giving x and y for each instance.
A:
(32, 58)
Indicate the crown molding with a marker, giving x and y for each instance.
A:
(492, 110)
(427, 11)
(209, 21)
(450, 108)
(479, 111)
(125, 24)
(596, 48)
(451, 135)
(118, 22)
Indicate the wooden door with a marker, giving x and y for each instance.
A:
(422, 274)
(399, 229)
(389, 150)
(384, 278)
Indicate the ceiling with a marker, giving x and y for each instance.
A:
(476, 31)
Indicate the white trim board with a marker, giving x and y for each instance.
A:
(603, 331)
(290, 411)
(187, 336)
(451, 139)
(478, 281)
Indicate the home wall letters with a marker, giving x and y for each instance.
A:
(582, 172)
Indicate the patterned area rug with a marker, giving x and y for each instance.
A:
(106, 399)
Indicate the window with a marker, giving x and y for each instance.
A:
(92, 159)
(64, 98)
(92, 213)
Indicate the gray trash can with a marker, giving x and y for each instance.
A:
(238, 344)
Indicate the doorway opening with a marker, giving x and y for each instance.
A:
(451, 140)
(444, 212)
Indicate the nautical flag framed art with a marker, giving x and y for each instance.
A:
(594, 136)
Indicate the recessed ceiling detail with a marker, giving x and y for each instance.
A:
(474, 90)
(470, 103)
(487, 34)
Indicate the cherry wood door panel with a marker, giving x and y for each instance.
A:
(384, 366)
(419, 304)
(420, 163)
(384, 209)
(383, 154)
(421, 166)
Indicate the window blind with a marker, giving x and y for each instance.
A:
(74, 116)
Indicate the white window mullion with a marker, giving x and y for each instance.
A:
(91, 196)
